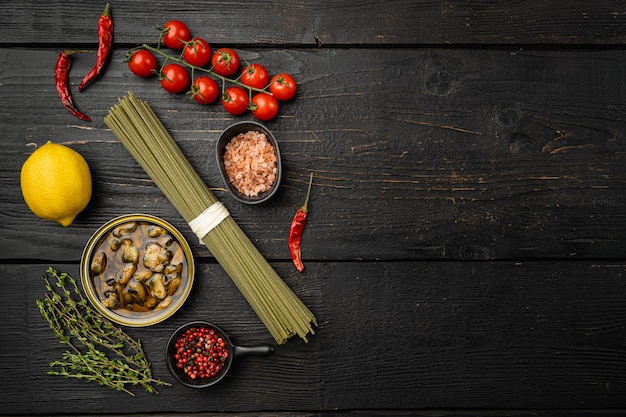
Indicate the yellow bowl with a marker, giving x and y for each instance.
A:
(137, 270)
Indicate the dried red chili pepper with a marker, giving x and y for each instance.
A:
(105, 37)
(296, 229)
(62, 80)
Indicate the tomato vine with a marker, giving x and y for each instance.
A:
(222, 64)
(182, 61)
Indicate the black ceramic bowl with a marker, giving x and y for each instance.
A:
(233, 353)
(224, 138)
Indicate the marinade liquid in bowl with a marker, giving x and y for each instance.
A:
(137, 270)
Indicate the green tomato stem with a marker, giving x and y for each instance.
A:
(224, 79)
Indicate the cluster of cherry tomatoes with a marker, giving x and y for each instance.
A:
(251, 89)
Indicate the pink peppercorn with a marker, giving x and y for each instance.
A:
(200, 352)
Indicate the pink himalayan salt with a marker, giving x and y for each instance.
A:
(250, 163)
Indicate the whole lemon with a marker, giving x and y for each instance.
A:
(56, 183)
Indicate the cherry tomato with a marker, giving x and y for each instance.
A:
(235, 100)
(225, 61)
(175, 34)
(197, 52)
(255, 75)
(283, 86)
(264, 107)
(205, 90)
(174, 78)
(142, 63)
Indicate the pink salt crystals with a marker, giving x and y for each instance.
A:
(250, 163)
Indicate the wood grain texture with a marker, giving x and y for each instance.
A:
(417, 154)
(436, 335)
(465, 248)
(395, 413)
(328, 22)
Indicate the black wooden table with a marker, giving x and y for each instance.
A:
(465, 253)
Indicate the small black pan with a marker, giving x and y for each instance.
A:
(233, 350)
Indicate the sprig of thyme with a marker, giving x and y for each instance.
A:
(99, 351)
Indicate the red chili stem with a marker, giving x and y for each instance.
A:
(62, 80)
(297, 228)
(305, 206)
(105, 43)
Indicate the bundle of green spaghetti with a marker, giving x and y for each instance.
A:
(141, 132)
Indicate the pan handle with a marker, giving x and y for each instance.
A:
(262, 350)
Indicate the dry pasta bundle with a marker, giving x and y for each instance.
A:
(141, 132)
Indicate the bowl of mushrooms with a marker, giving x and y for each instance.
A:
(137, 270)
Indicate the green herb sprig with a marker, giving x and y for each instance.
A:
(99, 351)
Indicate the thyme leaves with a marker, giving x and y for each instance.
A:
(98, 350)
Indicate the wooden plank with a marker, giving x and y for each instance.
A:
(328, 22)
(394, 413)
(417, 154)
(441, 134)
(402, 336)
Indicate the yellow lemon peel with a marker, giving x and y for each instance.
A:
(56, 183)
